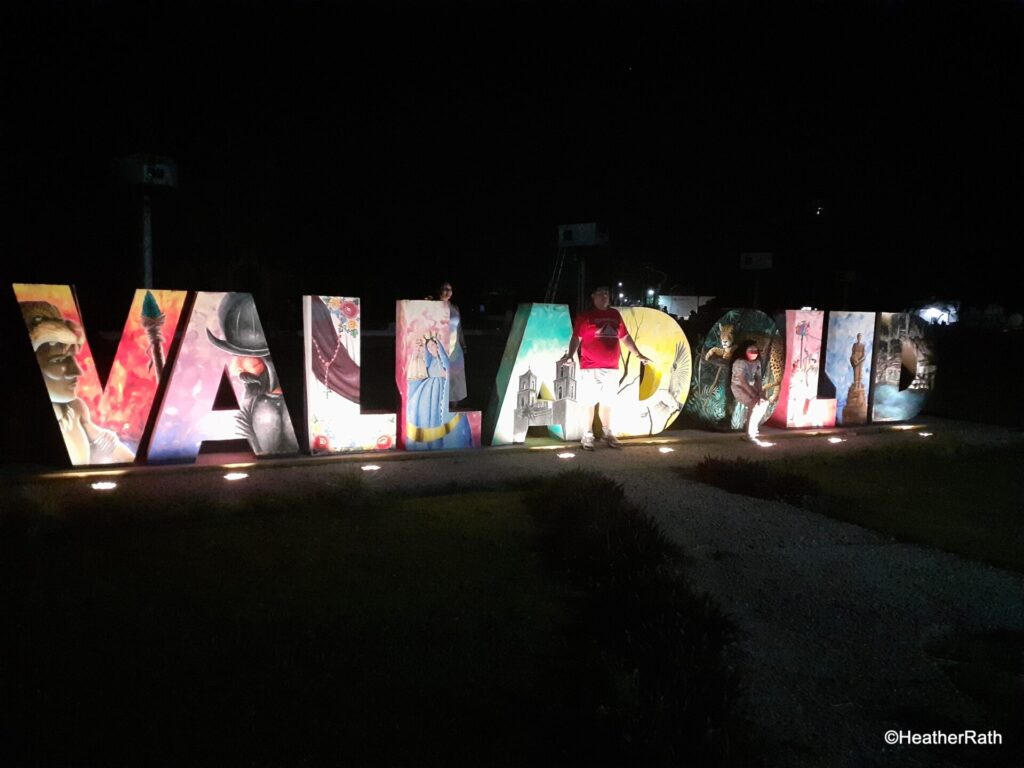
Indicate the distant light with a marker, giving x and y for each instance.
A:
(818, 210)
(620, 292)
(943, 315)
(104, 485)
(566, 455)
(925, 434)
(620, 285)
(236, 476)
(836, 440)
(665, 449)
(804, 309)
(650, 291)
(370, 467)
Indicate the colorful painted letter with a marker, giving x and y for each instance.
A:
(334, 422)
(799, 405)
(848, 356)
(531, 389)
(422, 335)
(904, 367)
(712, 401)
(651, 396)
(224, 335)
(100, 425)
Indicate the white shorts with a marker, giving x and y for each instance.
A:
(597, 385)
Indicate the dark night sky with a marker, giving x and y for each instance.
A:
(376, 153)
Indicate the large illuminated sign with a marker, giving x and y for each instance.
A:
(881, 377)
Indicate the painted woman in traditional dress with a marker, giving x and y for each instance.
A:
(429, 422)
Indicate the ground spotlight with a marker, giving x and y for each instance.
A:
(104, 485)
(665, 449)
(925, 434)
(236, 476)
(370, 467)
(836, 440)
(566, 455)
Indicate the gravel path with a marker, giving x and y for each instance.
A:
(835, 621)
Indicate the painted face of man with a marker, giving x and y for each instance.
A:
(752, 353)
(446, 292)
(60, 370)
(251, 365)
(601, 298)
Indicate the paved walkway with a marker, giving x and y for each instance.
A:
(835, 620)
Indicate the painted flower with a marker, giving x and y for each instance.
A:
(384, 442)
(350, 310)
(320, 443)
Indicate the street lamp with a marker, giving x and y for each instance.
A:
(147, 173)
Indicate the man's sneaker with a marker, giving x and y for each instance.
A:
(587, 443)
(612, 440)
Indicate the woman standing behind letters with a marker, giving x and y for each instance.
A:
(456, 347)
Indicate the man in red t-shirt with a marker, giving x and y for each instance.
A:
(596, 334)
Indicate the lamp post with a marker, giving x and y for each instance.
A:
(148, 173)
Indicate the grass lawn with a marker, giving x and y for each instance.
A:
(335, 627)
(335, 631)
(968, 500)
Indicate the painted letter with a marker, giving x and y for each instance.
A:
(799, 405)
(904, 367)
(224, 335)
(334, 422)
(100, 425)
(848, 356)
(531, 389)
(421, 374)
(651, 396)
(711, 400)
